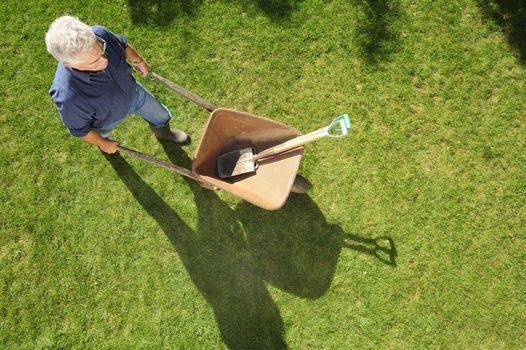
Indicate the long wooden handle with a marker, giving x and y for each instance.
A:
(158, 162)
(292, 144)
(181, 91)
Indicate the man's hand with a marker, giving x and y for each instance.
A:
(138, 62)
(109, 146)
(143, 67)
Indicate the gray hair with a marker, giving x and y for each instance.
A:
(67, 37)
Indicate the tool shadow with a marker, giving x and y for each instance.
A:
(233, 252)
(163, 12)
(511, 17)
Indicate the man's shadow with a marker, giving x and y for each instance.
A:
(218, 262)
(294, 249)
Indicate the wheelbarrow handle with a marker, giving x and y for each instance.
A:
(158, 162)
(183, 92)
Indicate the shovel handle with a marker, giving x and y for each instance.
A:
(337, 128)
(183, 92)
(292, 144)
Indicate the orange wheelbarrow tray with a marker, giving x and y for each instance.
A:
(228, 130)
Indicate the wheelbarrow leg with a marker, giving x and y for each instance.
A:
(300, 185)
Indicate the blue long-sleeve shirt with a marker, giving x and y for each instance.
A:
(88, 100)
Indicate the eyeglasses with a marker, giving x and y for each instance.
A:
(102, 43)
(103, 48)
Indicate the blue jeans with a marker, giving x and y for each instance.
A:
(146, 106)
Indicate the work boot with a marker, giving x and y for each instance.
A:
(174, 135)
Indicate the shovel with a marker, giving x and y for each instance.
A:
(244, 160)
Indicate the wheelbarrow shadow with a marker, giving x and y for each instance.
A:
(294, 249)
(297, 249)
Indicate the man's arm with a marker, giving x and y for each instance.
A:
(137, 60)
(105, 145)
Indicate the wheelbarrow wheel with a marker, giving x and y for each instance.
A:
(301, 185)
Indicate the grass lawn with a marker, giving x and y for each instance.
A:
(412, 237)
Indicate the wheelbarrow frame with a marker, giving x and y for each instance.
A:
(297, 185)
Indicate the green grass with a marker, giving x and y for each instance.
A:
(120, 254)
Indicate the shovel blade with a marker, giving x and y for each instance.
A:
(236, 163)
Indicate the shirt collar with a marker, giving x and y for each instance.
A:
(83, 76)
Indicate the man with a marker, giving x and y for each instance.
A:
(93, 87)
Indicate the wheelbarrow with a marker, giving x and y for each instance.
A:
(228, 130)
